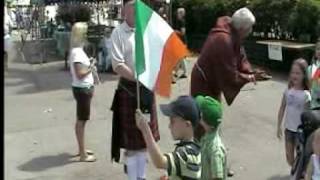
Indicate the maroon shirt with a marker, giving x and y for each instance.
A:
(222, 67)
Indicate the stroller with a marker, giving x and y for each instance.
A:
(310, 122)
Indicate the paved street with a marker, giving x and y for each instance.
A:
(40, 116)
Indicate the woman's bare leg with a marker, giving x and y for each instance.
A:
(79, 129)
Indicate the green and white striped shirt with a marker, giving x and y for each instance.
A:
(213, 157)
(185, 162)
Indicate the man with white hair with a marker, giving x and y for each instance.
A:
(222, 67)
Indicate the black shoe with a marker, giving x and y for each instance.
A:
(125, 169)
(230, 173)
(183, 76)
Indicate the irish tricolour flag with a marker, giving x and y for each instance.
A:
(158, 50)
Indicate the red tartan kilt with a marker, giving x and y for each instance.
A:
(130, 136)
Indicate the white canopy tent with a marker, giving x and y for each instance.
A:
(20, 3)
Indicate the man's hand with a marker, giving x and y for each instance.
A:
(252, 79)
(141, 121)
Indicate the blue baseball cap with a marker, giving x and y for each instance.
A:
(185, 107)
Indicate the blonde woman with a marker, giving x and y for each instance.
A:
(82, 85)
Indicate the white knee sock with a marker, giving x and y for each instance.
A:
(136, 166)
(131, 168)
(142, 165)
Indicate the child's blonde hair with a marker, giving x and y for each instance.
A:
(78, 34)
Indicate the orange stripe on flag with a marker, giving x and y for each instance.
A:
(174, 51)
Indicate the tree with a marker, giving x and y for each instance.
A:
(71, 13)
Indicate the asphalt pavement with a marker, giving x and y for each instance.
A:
(40, 117)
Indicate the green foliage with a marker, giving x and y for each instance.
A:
(287, 19)
(270, 14)
(305, 19)
(202, 14)
(71, 13)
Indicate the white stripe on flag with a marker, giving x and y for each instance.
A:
(155, 37)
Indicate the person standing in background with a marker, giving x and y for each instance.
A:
(162, 13)
(104, 53)
(180, 29)
(19, 19)
(7, 37)
(314, 78)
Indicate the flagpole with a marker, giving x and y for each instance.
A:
(138, 92)
(136, 69)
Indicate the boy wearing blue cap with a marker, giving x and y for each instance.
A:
(185, 161)
(213, 154)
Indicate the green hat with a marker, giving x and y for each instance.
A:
(211, 110)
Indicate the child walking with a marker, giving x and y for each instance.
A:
(296, 98)
(213, 152)
(313, 171)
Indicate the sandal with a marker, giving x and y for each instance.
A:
(89, 158)
(164, 177)
(89, 152)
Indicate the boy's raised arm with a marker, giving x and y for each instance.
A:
(158, 159)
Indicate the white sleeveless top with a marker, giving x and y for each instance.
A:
(316, 167)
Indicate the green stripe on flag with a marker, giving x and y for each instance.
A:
(142, 17)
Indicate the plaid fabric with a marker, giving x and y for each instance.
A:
(130, 137)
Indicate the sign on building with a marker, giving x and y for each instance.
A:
(275, 52)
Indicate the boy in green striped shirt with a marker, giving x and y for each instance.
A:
(213, 154)
(185, 161)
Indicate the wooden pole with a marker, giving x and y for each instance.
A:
(138, 92)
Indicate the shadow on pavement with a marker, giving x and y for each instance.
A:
(44, 78)
(46, 162)
(280, 178)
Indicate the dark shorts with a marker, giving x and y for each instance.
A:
(83, 98)
(291, 137)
